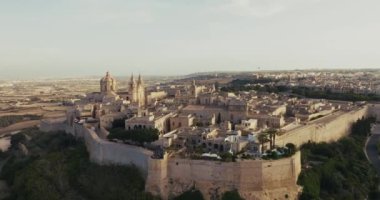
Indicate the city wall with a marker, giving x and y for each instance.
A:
(102, 151)
(50, 125)
(254, 179)
(105, 152)
(170, 177)
(374, 110)
(326, 129)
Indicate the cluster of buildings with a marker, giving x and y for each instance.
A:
(198, 119)
(357, 82)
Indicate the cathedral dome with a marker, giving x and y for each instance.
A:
(107, 84)
(107, 78)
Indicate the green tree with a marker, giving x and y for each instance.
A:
(272, 137)
(339, 170)
(227, 157)
(58, 167)
(232, 195)
(16, 139)
(291, 148)
(190, 195)
(263, 138)
(217, 85)
(311, 185)
(118, 123)
(137, 135)
(219, 119)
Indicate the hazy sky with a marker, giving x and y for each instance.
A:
(40, 38)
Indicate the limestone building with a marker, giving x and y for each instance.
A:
(108, 84)
(107, 91)
(159, 121)
(136, 91)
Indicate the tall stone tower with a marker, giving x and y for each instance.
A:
(132, 89)
(108, 84)
(194, 90)
(141, 92)
(137, 91)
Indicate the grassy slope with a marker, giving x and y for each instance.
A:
(339, 170)
(57, 167)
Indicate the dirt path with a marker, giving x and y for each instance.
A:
(19, 126)
(33, 111)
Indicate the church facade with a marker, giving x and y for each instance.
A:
(136, 91)
(136, 94)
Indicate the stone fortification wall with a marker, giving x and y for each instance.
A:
(102, 151)
(254, 179)
(374, 110)
(326, 129)
(103, 133)
(105, 152)
(49, 125)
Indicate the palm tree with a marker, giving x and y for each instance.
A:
(263, 138)
(272, 137)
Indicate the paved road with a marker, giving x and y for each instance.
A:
(371, 149)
